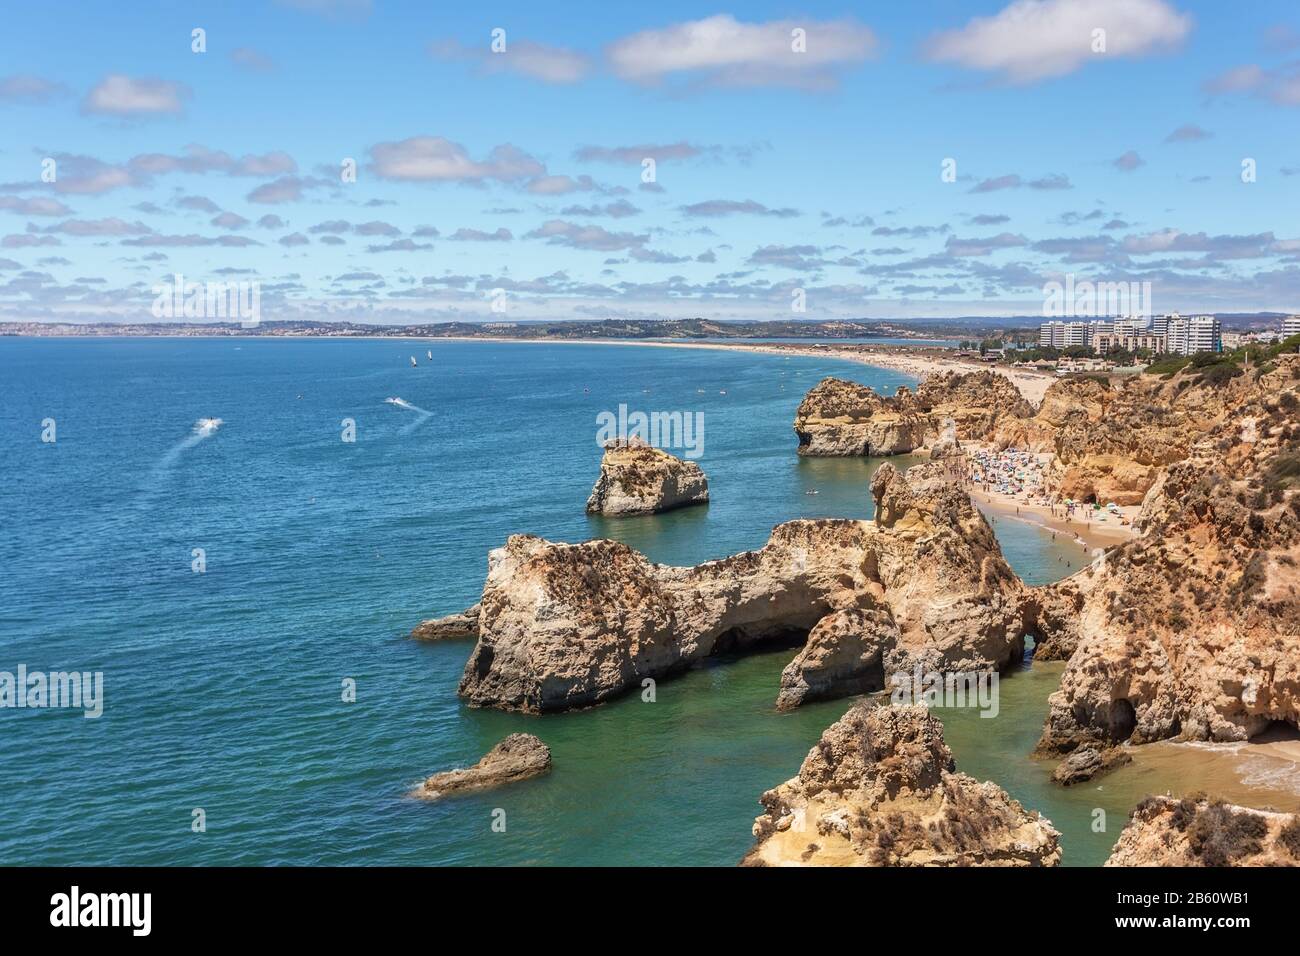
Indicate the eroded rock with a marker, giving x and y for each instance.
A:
(838, 418)
(452, 627)
(1089, 762)
(841, 419)
(843, 656)
(881, 789)
(570, 625)
(1192, 631)
(518, 757)
(637, 479)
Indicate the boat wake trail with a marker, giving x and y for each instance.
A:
(421, 413)
(203, 428)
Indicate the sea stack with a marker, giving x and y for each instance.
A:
(840, 419)
(638, 479)
(881, 789)
(518, 757)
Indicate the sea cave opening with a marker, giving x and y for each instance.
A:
(1276, 731)
(1121, 720)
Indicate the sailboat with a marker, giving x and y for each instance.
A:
(430, 354)
(414, 363)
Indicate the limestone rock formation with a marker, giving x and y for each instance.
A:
(1082, 397)
(518, 757)
(844, 419)
(977, 403)
(843, 656)
(637, 479)
(946, 446)
(570, 625)
(1197, 831)
(880, 789)
(838, 418)
(451, 627)
(1144, 427)
(1088, 762)
(1192, 631)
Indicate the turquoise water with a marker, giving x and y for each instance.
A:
(223, 690)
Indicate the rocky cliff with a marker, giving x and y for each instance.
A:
(880, 788)
(838, 418)
(1197, 831)
(569, 625)
(977, 403)
(1145, 425)
(1193, 630)
(636, 478)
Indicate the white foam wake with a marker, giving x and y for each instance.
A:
(203, 428)
(421, 413)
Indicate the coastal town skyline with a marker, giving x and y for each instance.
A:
(376, 163)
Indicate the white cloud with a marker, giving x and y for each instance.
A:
(1032, 40)
(121, 95)
(435, 159)
(721, 50)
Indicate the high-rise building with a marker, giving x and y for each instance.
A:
(1064, 335)
(1198, 333)
(1290, 326)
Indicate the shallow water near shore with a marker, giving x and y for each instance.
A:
(223, 689)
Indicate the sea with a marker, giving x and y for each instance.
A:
(238, 534)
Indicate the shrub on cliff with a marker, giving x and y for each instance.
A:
(1219, 373)
(1289, 837)
(1218, 836)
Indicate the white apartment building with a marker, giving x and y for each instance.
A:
(1160, 323)
(1063, 335)
(1290, 326)
(1197, 333)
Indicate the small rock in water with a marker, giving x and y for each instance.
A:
(1088, 762)
(518, 757)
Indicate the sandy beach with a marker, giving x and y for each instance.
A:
(1015, 484)
(1033, 385)
(1090, 535)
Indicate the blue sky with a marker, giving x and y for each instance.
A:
(776, 169)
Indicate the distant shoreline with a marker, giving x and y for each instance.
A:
(895, 357)
(1032, 385)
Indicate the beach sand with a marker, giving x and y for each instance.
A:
(1094, 534)
(1032, 385)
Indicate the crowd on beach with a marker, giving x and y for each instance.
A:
(1019, 478)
